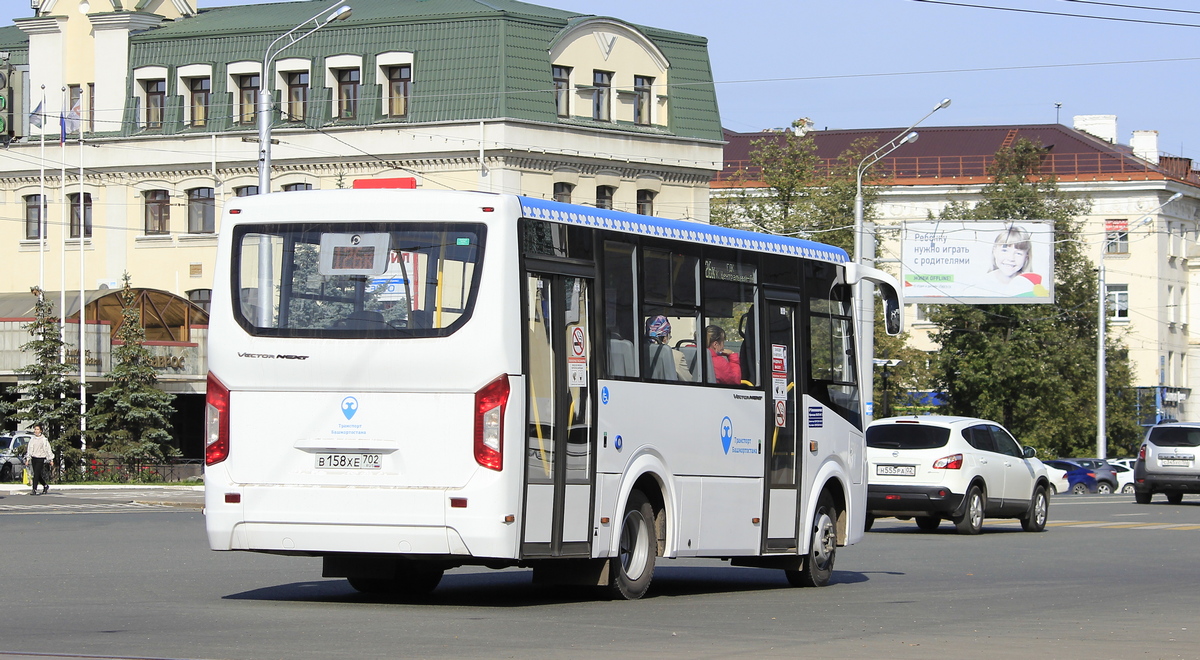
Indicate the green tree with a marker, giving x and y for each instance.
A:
(1032, 367)
(131, 418)
(789, 190)
(47, 393)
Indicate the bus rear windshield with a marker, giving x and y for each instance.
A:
(372, 280)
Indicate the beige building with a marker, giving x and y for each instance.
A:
(1149, 247)
(160, 104)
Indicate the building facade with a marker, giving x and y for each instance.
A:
(134, 121)
(1146, 247)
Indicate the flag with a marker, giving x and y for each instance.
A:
(35, 117)
(69, 122)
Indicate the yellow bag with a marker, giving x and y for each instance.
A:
(25, 476)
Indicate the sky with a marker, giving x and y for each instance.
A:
(886, 63)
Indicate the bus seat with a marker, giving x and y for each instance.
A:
(661, 361)
(363, 320)
(621, 358)
(690, 353)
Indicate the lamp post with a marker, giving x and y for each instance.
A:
(864, 253)
(289, 38)
(323, 18)
(1101, 335)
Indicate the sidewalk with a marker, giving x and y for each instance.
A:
(163, 494)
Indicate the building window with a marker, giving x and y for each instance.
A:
(245, 191)
(348, 80)
(201, 211)
(158, 212)
(562, 90)
(297, 84)
(202, 298)
(1116, 236)
(399, 88)
(201, 89)
(601, 95)
(91, 108)
(1118, 301)
(76, 95)
(297, 186)
(87, 214)
(562, 192)
(247, 98)
(643, 100)
(645, 202)
(156, 101)
(604, 197)
(33, 215)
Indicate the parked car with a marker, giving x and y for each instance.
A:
(1106, 477)
(12, 455)
(962, 469)
(1124, 479)
(1166, 462)
(1126, 462)
(1070, 477)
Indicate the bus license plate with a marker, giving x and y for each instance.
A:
(896, 470)
(349, 461)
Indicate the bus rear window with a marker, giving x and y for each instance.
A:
(356, 280)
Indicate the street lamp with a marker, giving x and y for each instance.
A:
(1101, 332)
(323, 18)
(864, 253)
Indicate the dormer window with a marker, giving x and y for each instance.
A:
(602, 95)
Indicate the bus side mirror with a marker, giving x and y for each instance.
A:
(893, 319)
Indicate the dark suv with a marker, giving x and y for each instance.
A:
(1166, 463)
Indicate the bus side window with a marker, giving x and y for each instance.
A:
(621, 324)
(730, 324)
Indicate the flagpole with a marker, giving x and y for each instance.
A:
(62, 286)
(82, 305)
(41, 219)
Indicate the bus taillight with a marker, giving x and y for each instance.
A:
(216, 422)
(489, 423)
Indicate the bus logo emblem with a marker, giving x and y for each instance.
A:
(726, 433)
(349, 407)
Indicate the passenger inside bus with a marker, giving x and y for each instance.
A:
(664, 362)
(726, 365)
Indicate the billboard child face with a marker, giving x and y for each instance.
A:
(1009, 260)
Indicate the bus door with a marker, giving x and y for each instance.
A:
(781, 359)
(559, 465)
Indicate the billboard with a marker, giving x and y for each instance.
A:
(978, 262)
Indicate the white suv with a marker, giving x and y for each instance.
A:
(1167, 464)
(957, 468)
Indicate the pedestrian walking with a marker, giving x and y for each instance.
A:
(38, 456)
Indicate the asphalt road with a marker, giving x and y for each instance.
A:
(107, 574)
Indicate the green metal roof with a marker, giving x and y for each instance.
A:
(475, 59)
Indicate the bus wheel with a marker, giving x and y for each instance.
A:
(822, 548)
(412, 581)
(630, 571)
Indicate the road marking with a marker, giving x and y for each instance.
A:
(59, 509)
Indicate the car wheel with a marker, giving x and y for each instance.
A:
(1104, 488)
(868, 523)
(633, 566)
(6, 472)
(822, 548)
(928, 523)
(1127, 489)
(1039, 510)
(972, 518)
(1053, 489)
(1174, 497)
(1079, 488)
(1142, 498)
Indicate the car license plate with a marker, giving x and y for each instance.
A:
(349, 461)
(896, 470)
(1175, 462)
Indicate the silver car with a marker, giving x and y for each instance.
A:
(12, 455)
(1166, 463)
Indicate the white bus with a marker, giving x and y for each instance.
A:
(406, 381)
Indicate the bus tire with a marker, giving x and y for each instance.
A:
(412, 581)
(822, 548)
(630, 571)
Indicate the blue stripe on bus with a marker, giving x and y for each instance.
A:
(695, 232)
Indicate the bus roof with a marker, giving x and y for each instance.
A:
(683, 230)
